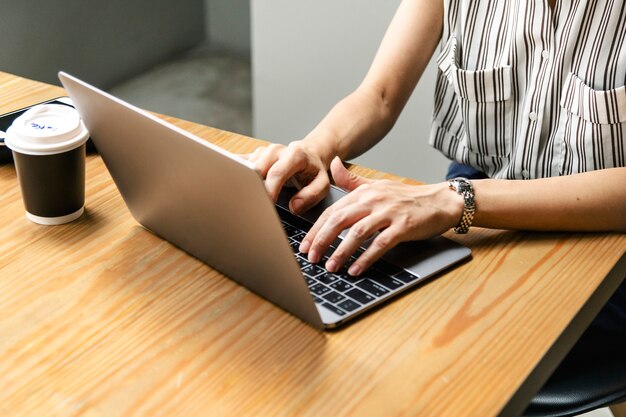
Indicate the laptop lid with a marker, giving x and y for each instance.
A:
(201, 198)
(214, 205)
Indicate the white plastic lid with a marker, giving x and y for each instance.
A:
(46, 129)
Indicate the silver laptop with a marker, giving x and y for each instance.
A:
(214, 205)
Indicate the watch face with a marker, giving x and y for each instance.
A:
(464, 187)
(461, 185)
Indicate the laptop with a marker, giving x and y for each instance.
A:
(213, 204)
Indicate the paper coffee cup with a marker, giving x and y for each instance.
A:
(48, 144)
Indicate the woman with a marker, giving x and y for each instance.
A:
(530, 98)
(522, 93)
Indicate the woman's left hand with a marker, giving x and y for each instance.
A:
(390, 211)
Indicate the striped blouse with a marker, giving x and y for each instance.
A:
(526, 91)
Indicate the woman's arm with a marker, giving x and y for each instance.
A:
(592, 201)
(363, 118)
(397, 212)
(360, 120)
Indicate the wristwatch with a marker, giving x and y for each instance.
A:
(464, 187)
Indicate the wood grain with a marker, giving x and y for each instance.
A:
(100, 317)
(619, 410)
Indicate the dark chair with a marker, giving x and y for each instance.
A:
(586, 379)
(578, 387)
(593, 374)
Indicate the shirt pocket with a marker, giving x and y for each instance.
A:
(593, 126)
(483, 98)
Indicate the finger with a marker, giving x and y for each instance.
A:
(311, 194)
(265, 157)
(344, 178)
(358, 234)
(386, 240)
(329, 229)
(281, 171)
(307, 241)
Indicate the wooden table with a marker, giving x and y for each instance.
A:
(100, 317)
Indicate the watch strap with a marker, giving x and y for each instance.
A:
(465, 189)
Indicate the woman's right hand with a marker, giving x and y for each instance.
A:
(295, 165)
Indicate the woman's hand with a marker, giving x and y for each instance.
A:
(295, 165)
(389, 211)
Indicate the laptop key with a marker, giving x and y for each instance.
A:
(361, 296)
(327, 278)
(298, 236)
(390, 283)
(383, 279)
(333, 297)
(406, 276)
(349, 305)
(372, 287)
(386, 267)
(303, 262)
(319, 289)
(317, 299)
(289, 229)
(334, 309)
(341, 285)
(348, 278)
(295, 246)
(313, 270)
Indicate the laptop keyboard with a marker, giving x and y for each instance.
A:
(340, 292)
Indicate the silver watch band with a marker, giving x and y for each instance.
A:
(464, 187)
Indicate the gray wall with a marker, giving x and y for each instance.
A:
(307, 55)
(102, 41)
(228, 26)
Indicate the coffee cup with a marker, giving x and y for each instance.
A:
(48, 145)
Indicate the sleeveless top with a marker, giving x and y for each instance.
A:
(526, 91)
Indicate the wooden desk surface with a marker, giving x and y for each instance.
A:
(99, 318)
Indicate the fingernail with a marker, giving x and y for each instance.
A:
(304, 246)
(331, 265)
(355, 270)
(296, 205)
(313, 257)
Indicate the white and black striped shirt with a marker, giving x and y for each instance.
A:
(527, 91)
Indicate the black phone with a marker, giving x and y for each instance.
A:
(7, 119)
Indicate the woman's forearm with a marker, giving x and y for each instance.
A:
(364, 117)
(352, 126)
(592, 201)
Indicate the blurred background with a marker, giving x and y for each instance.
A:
(264, 68)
